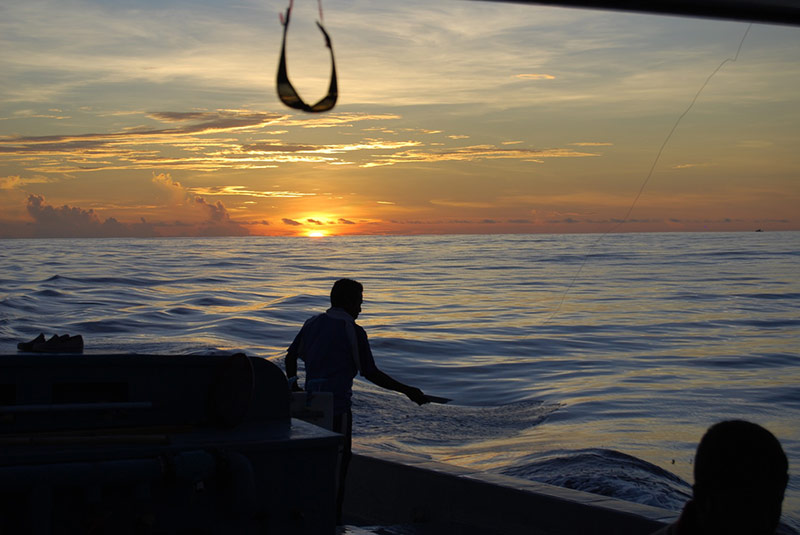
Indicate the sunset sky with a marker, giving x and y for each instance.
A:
(160, 118)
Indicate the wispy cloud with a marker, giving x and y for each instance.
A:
(243, 191)
(592, 144)
(535, 76)
(198, 140)
(200, 124)
(755, 144)
(17, 182)
(475, 152)
(272, 147)
(53, 114)
(338, 120)
(689, 165)
(461, 204)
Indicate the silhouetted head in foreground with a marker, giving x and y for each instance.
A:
(740, 474)
(347, 294)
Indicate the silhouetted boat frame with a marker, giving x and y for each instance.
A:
(158, 444)
(206, 444)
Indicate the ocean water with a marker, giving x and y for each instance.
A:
(586, 361)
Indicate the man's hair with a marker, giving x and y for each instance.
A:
(345, 291)
(737, 453)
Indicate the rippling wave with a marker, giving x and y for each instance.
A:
(606, 472)
(568, 357)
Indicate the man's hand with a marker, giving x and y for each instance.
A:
(417, 396)
(293, 386)
(384, 381)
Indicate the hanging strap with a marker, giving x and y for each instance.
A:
(287, 92)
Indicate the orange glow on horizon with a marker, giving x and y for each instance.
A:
(316, 234)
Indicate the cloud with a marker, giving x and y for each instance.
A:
(216, 211)
(71, 221)
(315, 221)
(18, 182)
(31, 114)
(273, 147)
(176, 194)
(202, 123)
(755, 144)
(218, 222)
(592, 144)
(343, 221)
(191, 215)
(291, 222)
(338, 119)
(191, 140)
(690, 165)
(181, 116)
(141, 147)
(461, 204)
(535, 76)
(241, 190)
(476, 152)
(205, 218)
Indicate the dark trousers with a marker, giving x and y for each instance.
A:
(343, 423)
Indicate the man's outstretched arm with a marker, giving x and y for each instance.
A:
(384, 380)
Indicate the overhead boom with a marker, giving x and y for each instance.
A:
(764, 11)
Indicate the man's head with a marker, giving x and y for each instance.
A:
(740, 473)
(348, 295)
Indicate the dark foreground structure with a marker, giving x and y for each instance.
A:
(206, 444)
(763, 11)
(158, 444)
(389, 488)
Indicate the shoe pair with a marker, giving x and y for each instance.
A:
(56, 344)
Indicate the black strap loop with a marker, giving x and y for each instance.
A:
(287, 92)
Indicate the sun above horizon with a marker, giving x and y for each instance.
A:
(316, 234)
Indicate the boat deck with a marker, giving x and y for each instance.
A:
(427, 497)
(386, 530)
(410, 529)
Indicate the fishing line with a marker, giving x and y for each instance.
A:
(649, 174)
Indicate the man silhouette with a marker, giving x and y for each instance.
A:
(740, 475)
(334, 349)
